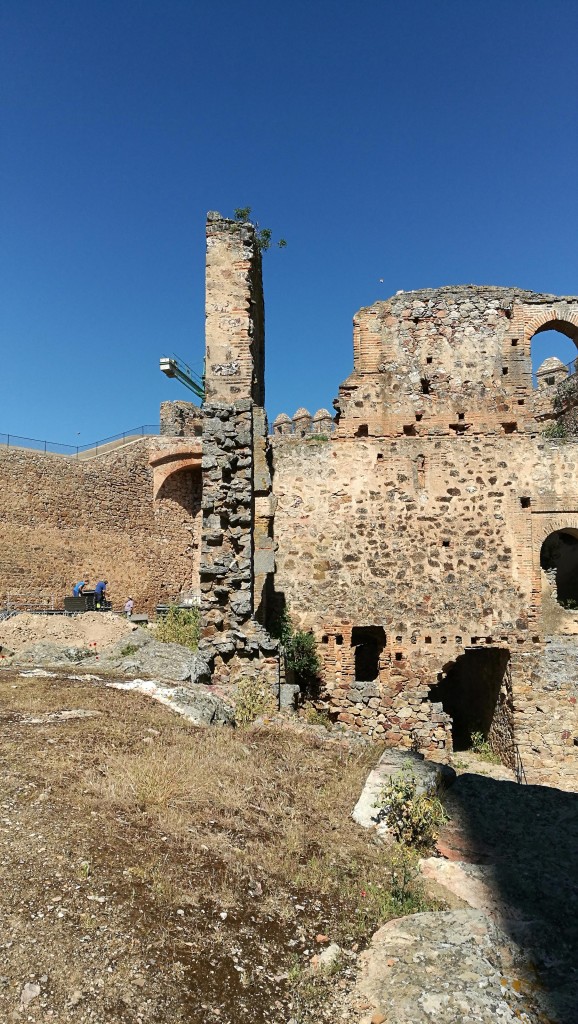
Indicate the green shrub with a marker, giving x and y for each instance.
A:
(300, 650)
(253, 699)
(318, 716)
(480, 746)
(556, 430)
(128, 650)
(399, 893)
(412, 818)
(180, 626)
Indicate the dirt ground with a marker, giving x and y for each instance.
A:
(92, 629)
(154, 871)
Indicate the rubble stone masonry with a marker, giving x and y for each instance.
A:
(66, 518)
(406, 532)
(412, 535)
(237, 546)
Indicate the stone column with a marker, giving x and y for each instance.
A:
(237, 556)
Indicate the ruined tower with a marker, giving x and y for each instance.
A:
(237, 556)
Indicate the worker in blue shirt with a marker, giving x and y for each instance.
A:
(100, 593)
(78, 589)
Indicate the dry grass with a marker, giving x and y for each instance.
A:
(178, 826)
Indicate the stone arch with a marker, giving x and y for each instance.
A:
(547, 524)
(171, 460)
(178, 520)
(549, 320)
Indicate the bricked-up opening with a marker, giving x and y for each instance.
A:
(559, 561)
(469, 693)
(369, 642)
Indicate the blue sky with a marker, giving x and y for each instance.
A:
(425, 144)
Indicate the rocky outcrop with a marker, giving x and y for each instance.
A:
(455, 967)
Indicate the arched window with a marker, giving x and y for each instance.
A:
(554, 349)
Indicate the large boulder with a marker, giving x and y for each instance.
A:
(449, 967)
(431, 778)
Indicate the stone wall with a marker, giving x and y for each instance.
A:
(181, 419)
(435, 540)
(235, 313)
(449, 361)
(565, 406)
(63, 518)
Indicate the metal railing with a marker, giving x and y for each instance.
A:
(56, 448)
(519, 767)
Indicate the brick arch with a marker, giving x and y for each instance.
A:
(550, 320)
(553, 524)
(173, 460)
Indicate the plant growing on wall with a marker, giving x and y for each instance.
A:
(264, 235)
(300, 650)
(556, 430)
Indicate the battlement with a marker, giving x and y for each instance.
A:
(303, 424)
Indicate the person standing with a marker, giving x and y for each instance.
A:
(129, 607)
(100, 593)
(78, 588)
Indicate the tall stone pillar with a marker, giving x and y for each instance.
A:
(237, 556)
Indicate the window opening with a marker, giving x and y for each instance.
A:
(552, 351)
(559, 561)
(369, 642)
(473, 695)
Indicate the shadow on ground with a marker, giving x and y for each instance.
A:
(525, 838)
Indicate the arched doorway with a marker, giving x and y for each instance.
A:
(559, 562)
(475, 692)
(178, 521)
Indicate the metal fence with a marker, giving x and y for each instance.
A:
(15, 441)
